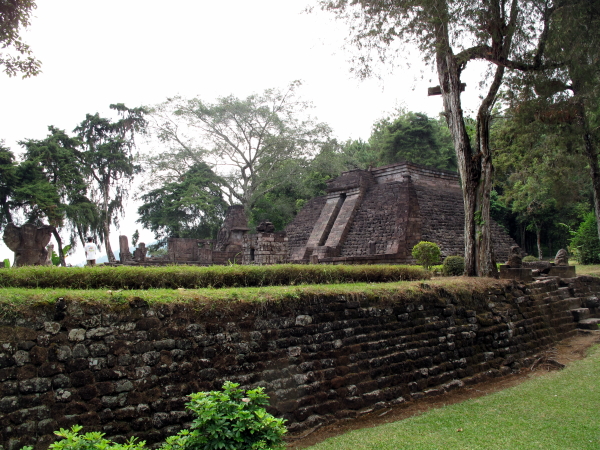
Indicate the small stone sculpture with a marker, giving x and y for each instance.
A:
(562, 258)
(29, 243)
(514, 258)
(265, 227)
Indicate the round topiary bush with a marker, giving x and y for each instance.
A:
(426, 254)
(530, 258)
(454, 266)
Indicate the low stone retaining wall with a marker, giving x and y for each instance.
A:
(126, 370)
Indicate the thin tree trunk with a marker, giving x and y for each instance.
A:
(106, 225)
(538, 238)
(591, 153)
(61, 255)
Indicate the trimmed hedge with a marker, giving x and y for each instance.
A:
(189, 277)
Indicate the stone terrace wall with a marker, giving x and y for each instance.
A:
(127, 370)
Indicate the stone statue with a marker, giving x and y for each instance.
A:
(562, 258)
(29, 243)
(265, 227)
(514, 258)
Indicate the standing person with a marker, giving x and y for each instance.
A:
(90, 252)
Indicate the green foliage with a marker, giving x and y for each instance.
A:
(109, 162)
(231, 420)
(261, 140)
(585, 243)
(8, 182)
(413, 137)
(190, 207)
(94, 440)
(426, 253)
(15, 55)
(135, 238)
(454, 265)
(173, 277)
(530, 258)
(6, 263)
(56, 258)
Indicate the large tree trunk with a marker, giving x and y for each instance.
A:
(449, 78)
(106, 228)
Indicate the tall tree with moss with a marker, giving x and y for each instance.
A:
(53, 166)
(109, 162)
(253, 144)
(449, 35)
(15, 55)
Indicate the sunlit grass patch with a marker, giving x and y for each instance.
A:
(558, 411)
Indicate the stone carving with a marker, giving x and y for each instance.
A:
(28, 243)
(50, 249)
(265, 227)
(562, 258)
(140, 252)
(515, 261)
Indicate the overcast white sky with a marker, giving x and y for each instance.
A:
(139, 52)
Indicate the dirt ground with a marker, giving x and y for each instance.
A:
(562, 353)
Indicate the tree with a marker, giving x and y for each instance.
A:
(451, 34)
(15, 15)
(252, 144)
(52, 185)
(565, 95)
(192, 207)
(109, 163)
(7, 183)
(413, 137)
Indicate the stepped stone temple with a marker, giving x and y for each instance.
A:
(374, 216)
(367, 216)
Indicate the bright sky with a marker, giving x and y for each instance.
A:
(139, 52)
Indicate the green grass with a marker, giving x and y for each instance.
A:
(190, 277)
(593, 269)
(20, 299)
(559, 411)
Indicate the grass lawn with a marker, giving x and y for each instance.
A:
(587, 270)
(558, 411)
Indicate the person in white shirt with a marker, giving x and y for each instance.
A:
(90, 252)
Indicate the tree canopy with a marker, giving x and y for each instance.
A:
(252, 144)
(15, 55)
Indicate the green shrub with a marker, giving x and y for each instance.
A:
(232, 420)
(530, 258)
(585, 243)
(190, 277)
(94, 440)
(228, 420)
(454, 265)
(6, 264)
(426, 254)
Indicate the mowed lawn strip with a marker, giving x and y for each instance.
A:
(560, 410)
(17, 298)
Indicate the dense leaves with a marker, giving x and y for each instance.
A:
(15, 55)
(191, 207)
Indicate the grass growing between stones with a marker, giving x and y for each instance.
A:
(558, 411)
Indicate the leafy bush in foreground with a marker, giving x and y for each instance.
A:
(585, 242)
(190, 277)
(228, 420)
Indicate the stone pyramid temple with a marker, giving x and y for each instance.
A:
(378, 215)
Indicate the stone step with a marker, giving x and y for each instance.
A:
(589, 324)
(580, 314)
(573, 303)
